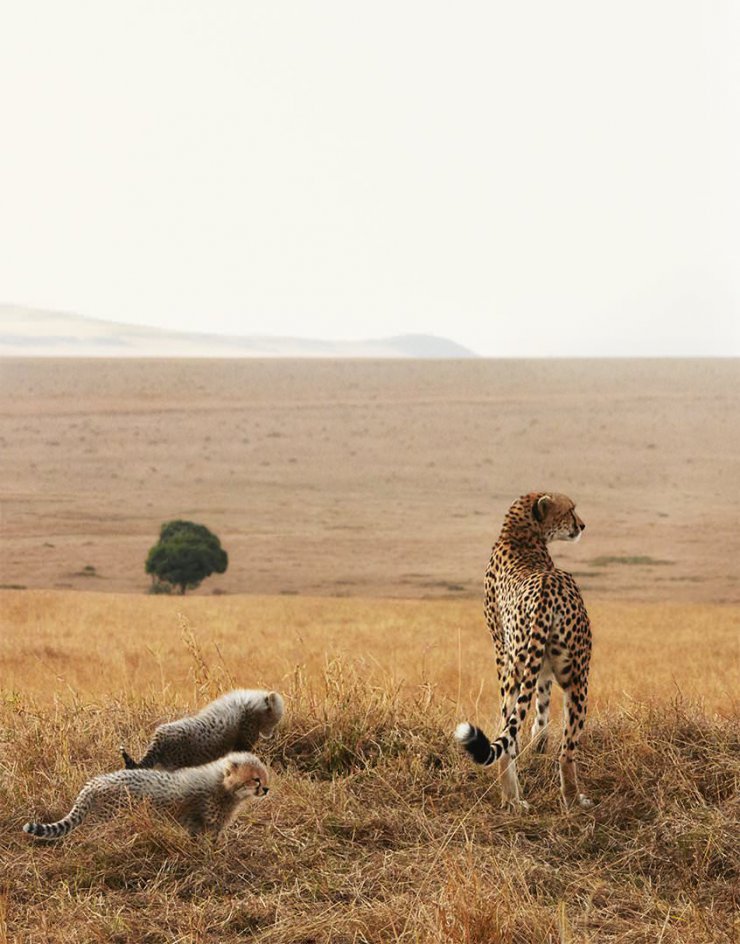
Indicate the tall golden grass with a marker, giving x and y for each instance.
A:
(377, 829)
(60, 644)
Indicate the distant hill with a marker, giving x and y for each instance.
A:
(27, 332)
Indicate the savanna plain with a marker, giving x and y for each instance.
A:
(358, 502)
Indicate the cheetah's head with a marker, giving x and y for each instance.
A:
(246, 776)
(556, 518)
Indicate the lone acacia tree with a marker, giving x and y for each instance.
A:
(185, 555)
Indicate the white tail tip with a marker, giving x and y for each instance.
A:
(463, 732)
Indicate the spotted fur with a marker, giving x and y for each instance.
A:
(541, 632)
(232, 722)
(203, 799)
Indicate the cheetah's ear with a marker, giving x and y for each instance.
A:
(540, 506)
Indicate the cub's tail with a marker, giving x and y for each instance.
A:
(128, 762)
(477, 744)
(54, 830)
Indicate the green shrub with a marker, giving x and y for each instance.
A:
(184, 556)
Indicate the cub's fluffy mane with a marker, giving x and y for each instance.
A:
(246, 699)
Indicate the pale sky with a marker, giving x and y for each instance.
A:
(540, 178)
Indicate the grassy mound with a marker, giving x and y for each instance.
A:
(379, 830)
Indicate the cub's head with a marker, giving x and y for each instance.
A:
(555, 517)
(270, 714)
(245, 776)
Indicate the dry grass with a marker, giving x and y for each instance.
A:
(378, 830)
(137, 645)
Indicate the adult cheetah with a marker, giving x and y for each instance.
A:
(540, 631)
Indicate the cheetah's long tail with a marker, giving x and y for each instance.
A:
(477, 744)
(486, 752)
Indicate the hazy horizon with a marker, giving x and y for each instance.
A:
(99, 338)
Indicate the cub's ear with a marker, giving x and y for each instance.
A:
(539, 509)
(275, 703)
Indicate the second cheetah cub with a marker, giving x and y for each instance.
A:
(232, 722)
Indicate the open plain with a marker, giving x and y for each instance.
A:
(358, 503)
(379, 478)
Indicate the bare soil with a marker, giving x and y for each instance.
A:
(379, 478)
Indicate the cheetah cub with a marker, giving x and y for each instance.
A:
(541, 632)
(232, 722)
(202, 799)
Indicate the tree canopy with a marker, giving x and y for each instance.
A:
(185, 555)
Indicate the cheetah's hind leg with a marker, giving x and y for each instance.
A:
(574, 716)
(542, 713)
(510, 795)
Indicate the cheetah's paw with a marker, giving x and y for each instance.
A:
(515, 805)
